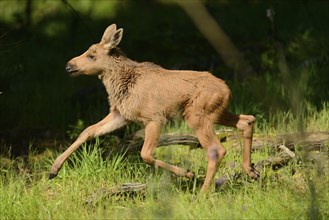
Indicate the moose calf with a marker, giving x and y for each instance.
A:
(149, 94)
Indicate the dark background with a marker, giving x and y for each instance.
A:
(288, 55)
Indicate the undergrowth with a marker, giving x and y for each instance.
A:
(296, 191)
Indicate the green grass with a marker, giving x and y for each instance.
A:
(33, 196)
(297, 191)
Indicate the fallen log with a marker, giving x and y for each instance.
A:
(282, 158)
(136, 143)
(124, 190)
(308, 141)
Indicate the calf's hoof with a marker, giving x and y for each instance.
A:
(252, 172)
(52, 175)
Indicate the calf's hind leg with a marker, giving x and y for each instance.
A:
(215, 152)
(245, 124)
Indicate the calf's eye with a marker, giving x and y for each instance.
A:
(91, 57)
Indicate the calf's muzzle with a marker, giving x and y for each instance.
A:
(71, 68)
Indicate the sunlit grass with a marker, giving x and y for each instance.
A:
(297, 191)
(65, 197)
(308, 119)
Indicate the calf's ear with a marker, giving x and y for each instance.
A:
(108, 33)
(111, 37)
(116, 38)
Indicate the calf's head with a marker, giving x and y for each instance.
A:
(94, 60)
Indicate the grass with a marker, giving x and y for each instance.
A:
(297, 191)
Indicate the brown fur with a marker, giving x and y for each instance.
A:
(150, 94)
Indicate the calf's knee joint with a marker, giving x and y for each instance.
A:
(147, 158)
(215, 153)
(246, 126)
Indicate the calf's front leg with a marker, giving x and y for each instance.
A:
(110, 123)
(152, 132)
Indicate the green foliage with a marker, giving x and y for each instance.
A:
(298, 190)
(34, 48)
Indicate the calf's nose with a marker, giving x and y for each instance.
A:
(70, 67)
